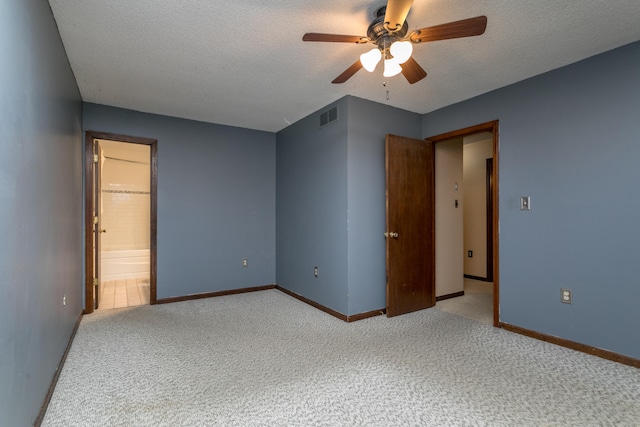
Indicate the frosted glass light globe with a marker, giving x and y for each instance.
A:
(370, 59)
(401, 51)
(391, 68)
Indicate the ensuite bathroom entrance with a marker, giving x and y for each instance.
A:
(121, 180)
(124, 244)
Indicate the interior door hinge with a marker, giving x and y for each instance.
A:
(95, 151)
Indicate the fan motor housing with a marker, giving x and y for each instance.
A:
(380, 35)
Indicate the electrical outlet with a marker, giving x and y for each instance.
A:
(566, 296)
(315, 271)
(244, 262)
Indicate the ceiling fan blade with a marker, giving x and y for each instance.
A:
(338, 38)
(396, 14)
(346, 75)
(412, 71)
(452, 30)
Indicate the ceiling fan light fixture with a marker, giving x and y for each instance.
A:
(389, 30)
(370, 59)
(401, 51)
(391, 68)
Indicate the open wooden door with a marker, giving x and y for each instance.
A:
(97, 230)
(410, 225)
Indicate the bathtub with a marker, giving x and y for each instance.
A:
(126, 264)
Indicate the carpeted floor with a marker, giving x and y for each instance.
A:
(266, 359)
(476, 303)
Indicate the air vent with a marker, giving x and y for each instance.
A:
(329, 116)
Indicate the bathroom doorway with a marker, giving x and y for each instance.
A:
(121, 225)
(124, 214)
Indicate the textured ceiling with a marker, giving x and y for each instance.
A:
(243, 62)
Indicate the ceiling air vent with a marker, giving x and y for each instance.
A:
(329, 116)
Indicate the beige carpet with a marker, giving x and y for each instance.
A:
(266, 359)
(475, 304)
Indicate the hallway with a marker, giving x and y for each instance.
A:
(475, 304)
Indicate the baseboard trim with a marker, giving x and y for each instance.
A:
(366, 315)
(330, 311)
(605, 354)
(448, 296)
(320, 307)
(56, 375)
(469, 276)
(313, 303)
(214, 294)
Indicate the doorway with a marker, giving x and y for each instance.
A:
(120, 215)
(484, 277)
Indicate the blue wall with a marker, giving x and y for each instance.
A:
(311, 208)
(570, 139)
(331, 204)
(369, 123)
(40, 206)
(216, 200)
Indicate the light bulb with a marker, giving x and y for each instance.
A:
(391, 68)
(370, 59)
(401, 51)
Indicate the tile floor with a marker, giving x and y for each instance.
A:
(124, 293)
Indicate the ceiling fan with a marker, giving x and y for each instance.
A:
(388, 31)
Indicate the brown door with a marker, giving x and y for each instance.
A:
(490, 220)
(96, 223)
(410, 225)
